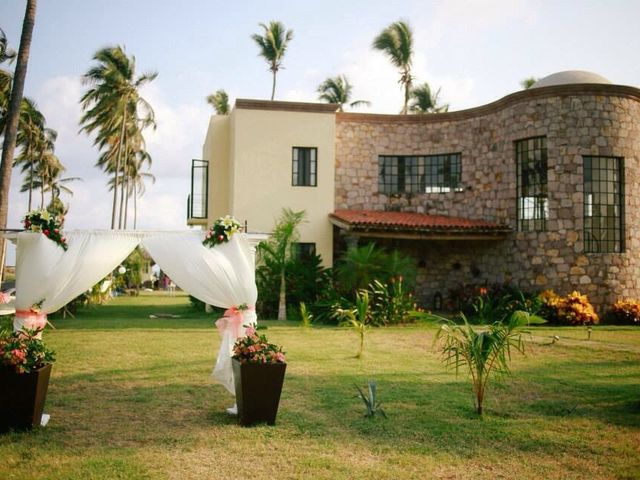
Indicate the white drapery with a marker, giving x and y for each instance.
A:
(49, 277)
(223, 276)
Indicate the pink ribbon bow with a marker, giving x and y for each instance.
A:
(32, 320)
(233, 320)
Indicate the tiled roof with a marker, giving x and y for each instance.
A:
(407, 221)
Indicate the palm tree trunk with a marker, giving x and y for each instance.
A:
(282, 305)
(122, 190)
(135, 206)
(273, 85)
(126, 204)
(42, 167)
(117, 171)
(30, 183)
(13, 111)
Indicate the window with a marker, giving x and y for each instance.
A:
(531, 166)
(419, 174)
(198, 199)
(305, 251)
(603, 205)
(305, 164)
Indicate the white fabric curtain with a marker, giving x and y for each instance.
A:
(223, 276)
(51, 277)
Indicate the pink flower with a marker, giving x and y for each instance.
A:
(18, 355)
(55, 230)
(250, 331)
(46, 232)
(220, 238)
(280, 357)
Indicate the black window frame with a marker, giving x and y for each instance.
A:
(532, 198)
(418, 174)
(600, 181)
(304, 173)
(305, 250)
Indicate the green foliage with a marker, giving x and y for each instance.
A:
(358, 318)
(273, 44)
(220, 102)
(360, 266)
(370, 400)
(484, 352)
(391, 304)
(424, 100)
(338, 90)
(396, 42)
(275, 255)
(306, 317)
(23, 351)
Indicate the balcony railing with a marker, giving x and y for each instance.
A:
(198, 199)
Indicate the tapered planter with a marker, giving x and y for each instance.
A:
(258, 389)
(22, 397)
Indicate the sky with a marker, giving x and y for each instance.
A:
(476, 51)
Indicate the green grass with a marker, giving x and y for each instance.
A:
(131, 397)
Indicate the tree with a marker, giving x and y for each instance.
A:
(273, 44)
(220, 102)
(114, 109)
(396, 41)
(13, 112)
(278, 250)
(528, 82)
(483, 352)
(338, 90)
(6, 53)
(424, 100)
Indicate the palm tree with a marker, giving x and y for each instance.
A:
(115, 110)
(6, 53)
(13, 112)
(483, 352)
(278, 250)
(528, 82)
(220, 102)
(424, 100)
(396, 41)
(338, 90)
(273, 45)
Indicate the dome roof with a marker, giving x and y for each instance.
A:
(568, 77)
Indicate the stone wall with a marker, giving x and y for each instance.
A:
(576, 119)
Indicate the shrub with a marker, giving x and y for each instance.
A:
(625, 312)
(490, 303)
(573, 309)
(391, 303)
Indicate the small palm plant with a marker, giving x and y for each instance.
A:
(371, 400)
(358, 318)
(306, 317)
(484, 352)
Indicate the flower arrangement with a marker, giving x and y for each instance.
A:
(254, 348)
(23, 352)
(573, 309)
(222, 231)
(49, 225)
(626, 311)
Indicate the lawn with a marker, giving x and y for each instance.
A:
(131, 397)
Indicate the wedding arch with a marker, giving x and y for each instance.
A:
(48, 277)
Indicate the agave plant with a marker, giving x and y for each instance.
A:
(484, 352)
(370, 400)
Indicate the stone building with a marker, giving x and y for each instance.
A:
(538, 189)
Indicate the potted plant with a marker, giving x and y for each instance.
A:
(258, 372)
(25, 367)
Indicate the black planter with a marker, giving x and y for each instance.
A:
(258, 388)
(22, 397)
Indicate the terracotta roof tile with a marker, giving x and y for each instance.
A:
(412, 221)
